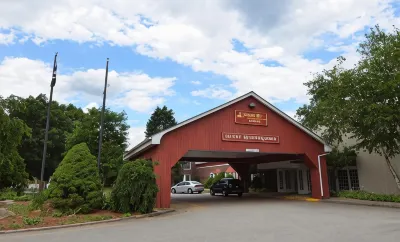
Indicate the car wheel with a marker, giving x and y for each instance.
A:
(240, 194)
(173, 190)
(224, 193)
(190, 191)
(212, 192)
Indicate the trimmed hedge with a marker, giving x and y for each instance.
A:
(75, 186)
(135, 189)
(363, 195)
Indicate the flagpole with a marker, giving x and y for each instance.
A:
(46, 134)
(102, 117)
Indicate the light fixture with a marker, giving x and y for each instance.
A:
(252, 105)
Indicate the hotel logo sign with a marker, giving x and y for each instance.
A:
(271, 139)
(251, 118)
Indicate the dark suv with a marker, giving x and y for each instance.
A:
(227, 186)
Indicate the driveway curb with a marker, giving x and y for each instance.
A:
(157, 213)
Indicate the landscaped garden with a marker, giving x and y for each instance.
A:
(76, 195)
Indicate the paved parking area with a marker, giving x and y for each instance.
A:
(201, 217)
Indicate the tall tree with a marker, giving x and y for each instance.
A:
(12, 166)
(363, 102)
(32, 110)
(161, 118)
(115, 139)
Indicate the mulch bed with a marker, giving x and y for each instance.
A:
(47, 218)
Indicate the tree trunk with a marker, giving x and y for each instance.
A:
(389, 164)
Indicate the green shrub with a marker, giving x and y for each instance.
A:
(57, 214)
(363, 195)
(75, 185)
(8, 194)
(32, 221)
(229, 176)
(218, 177)
(24, 198)
(135, 189)
(38, 200)
(209, 182)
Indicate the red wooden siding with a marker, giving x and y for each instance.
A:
(205, 134)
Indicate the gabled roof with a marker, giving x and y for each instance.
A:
(156, 138)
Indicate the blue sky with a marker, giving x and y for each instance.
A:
(190, 57)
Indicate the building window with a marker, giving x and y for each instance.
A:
(187, 165)
(280, 180)
(187, 177)
(354, 179)
(301, 183)
(287, 179)
(212, 175)
(343, 180)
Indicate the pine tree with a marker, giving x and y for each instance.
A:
(161, 119)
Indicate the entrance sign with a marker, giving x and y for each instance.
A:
(251, 118)
(236, 137)
(252, 150)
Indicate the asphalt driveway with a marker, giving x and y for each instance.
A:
(201, 217)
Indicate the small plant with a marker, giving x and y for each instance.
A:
(2, 227)
(32, 221)
(38, 200)
(125, 215)
(57, 214)
(19, 209)
(16, 226)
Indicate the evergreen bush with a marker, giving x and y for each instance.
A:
(75, 185)
(135, 189)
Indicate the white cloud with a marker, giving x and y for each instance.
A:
(134, 90)
(196, 82)
(196, 102)
(136, 135)
(213, 92)
(90, 106)
(190, 35)
(7, 38)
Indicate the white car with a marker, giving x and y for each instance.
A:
(188, 187)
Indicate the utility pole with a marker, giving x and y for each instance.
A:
(102, 117)
(46, 134)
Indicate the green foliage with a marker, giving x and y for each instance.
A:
(16, 226)
(19, 209)
(125, 215)
(8, 194)
(135, 189)
(176, 173)
(211, 180)
(160, 119)
(363, 195)
(218, 177)
(32, 221)
(24, 198)
(32, 111)
(361, 102)
(341, 158)
(57, 214)
(208, 183)
(39, 199)
(75, 185)
(12, 167)
(115, 140)
(229, 176)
